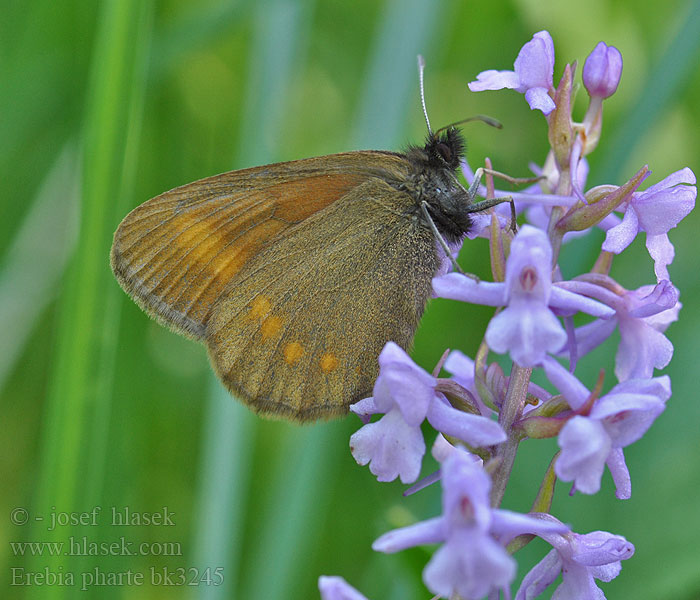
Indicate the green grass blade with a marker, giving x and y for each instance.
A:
(406, 29)
(297, 500)
(224, 477)
(37, 257)
(198, 28)
(80, 349)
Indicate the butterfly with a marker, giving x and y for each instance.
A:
(295, 275)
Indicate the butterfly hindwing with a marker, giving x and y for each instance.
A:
(298, 330)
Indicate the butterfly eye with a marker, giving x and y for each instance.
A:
(444, 151)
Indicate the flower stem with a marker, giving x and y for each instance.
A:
(511, 410)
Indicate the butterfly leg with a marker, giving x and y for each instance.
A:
(491, 202)
(438, 236)
(481, 171)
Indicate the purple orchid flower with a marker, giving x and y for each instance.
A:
(581, 559)
(656, 211)
(527, 328)
(616, 420)
(472, 560)
(406, 394)
(642, 316)
(534, 69)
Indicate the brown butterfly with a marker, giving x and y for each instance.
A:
(295, 275)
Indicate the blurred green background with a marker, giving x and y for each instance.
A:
(105, 104)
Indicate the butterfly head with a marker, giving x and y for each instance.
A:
(445, 148)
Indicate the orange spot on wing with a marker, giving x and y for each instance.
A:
(245, 247)
(270, 326)
(192, 233)
(259, 307)
(328, 362)
(292, 352)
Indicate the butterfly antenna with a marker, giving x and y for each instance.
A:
(421, 68)
(483, 118)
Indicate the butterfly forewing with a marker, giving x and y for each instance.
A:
(298, 331)
(176, 253)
